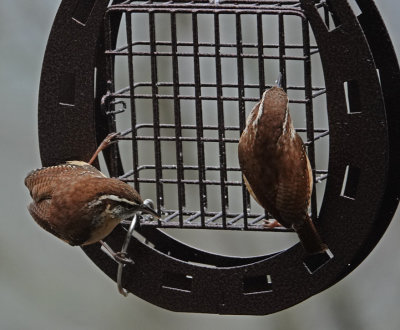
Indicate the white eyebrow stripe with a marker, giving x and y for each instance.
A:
(117, 199)
(286, 117)
(77, 162)
(260, 110)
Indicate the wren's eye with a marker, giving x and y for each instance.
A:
(45, 202)
(113, 204)
(44, 198)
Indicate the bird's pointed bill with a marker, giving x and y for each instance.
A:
(147, 209)
(279, 80)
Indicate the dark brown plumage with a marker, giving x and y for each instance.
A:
(79, 204)
(276, 168)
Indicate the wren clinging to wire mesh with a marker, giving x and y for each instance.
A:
(79, 204)
(276, 169)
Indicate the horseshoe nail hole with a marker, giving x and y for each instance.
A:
(378, 73)
(355, 7)
(352, 93)
(94, 82)
(331, 21)
(177, 282)
(66, 93)
(257, 284)
(142, 239)
(201, 264)
(82, 11)
(350, 182)
(316, 261)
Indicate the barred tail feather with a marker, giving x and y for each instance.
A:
(309, 237)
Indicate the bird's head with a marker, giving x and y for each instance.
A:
(119, 207)
(107, 211)
(98, 198)
(274, 103)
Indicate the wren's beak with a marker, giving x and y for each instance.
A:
(279, 80)
(147, 209)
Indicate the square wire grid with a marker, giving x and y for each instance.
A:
(186, 76)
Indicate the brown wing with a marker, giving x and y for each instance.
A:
(250, 190)
(40, 213)
(279, 179)
(259, 177)
(295, 184)
(42, 182)
(75, 223)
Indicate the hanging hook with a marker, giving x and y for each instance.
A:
(123, 251)
(132, 227)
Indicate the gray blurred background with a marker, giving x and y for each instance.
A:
(46, 284)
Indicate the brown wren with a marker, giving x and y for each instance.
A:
(79, 204)
(276, 169)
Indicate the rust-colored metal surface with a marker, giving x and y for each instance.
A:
(83, 97)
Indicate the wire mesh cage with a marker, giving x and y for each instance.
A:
(188, 108)
(178, 79)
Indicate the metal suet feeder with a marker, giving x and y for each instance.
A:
(191, 72)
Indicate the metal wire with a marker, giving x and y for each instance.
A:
(132, 226)
(123, 251)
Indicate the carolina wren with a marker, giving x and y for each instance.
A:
(276, 169)
(79, 204)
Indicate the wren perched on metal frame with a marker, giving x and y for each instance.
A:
(276, 169)
(79, 204)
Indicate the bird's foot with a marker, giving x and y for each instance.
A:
(122, 258)
(109, 139)
(104, 144)
(270, 224)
